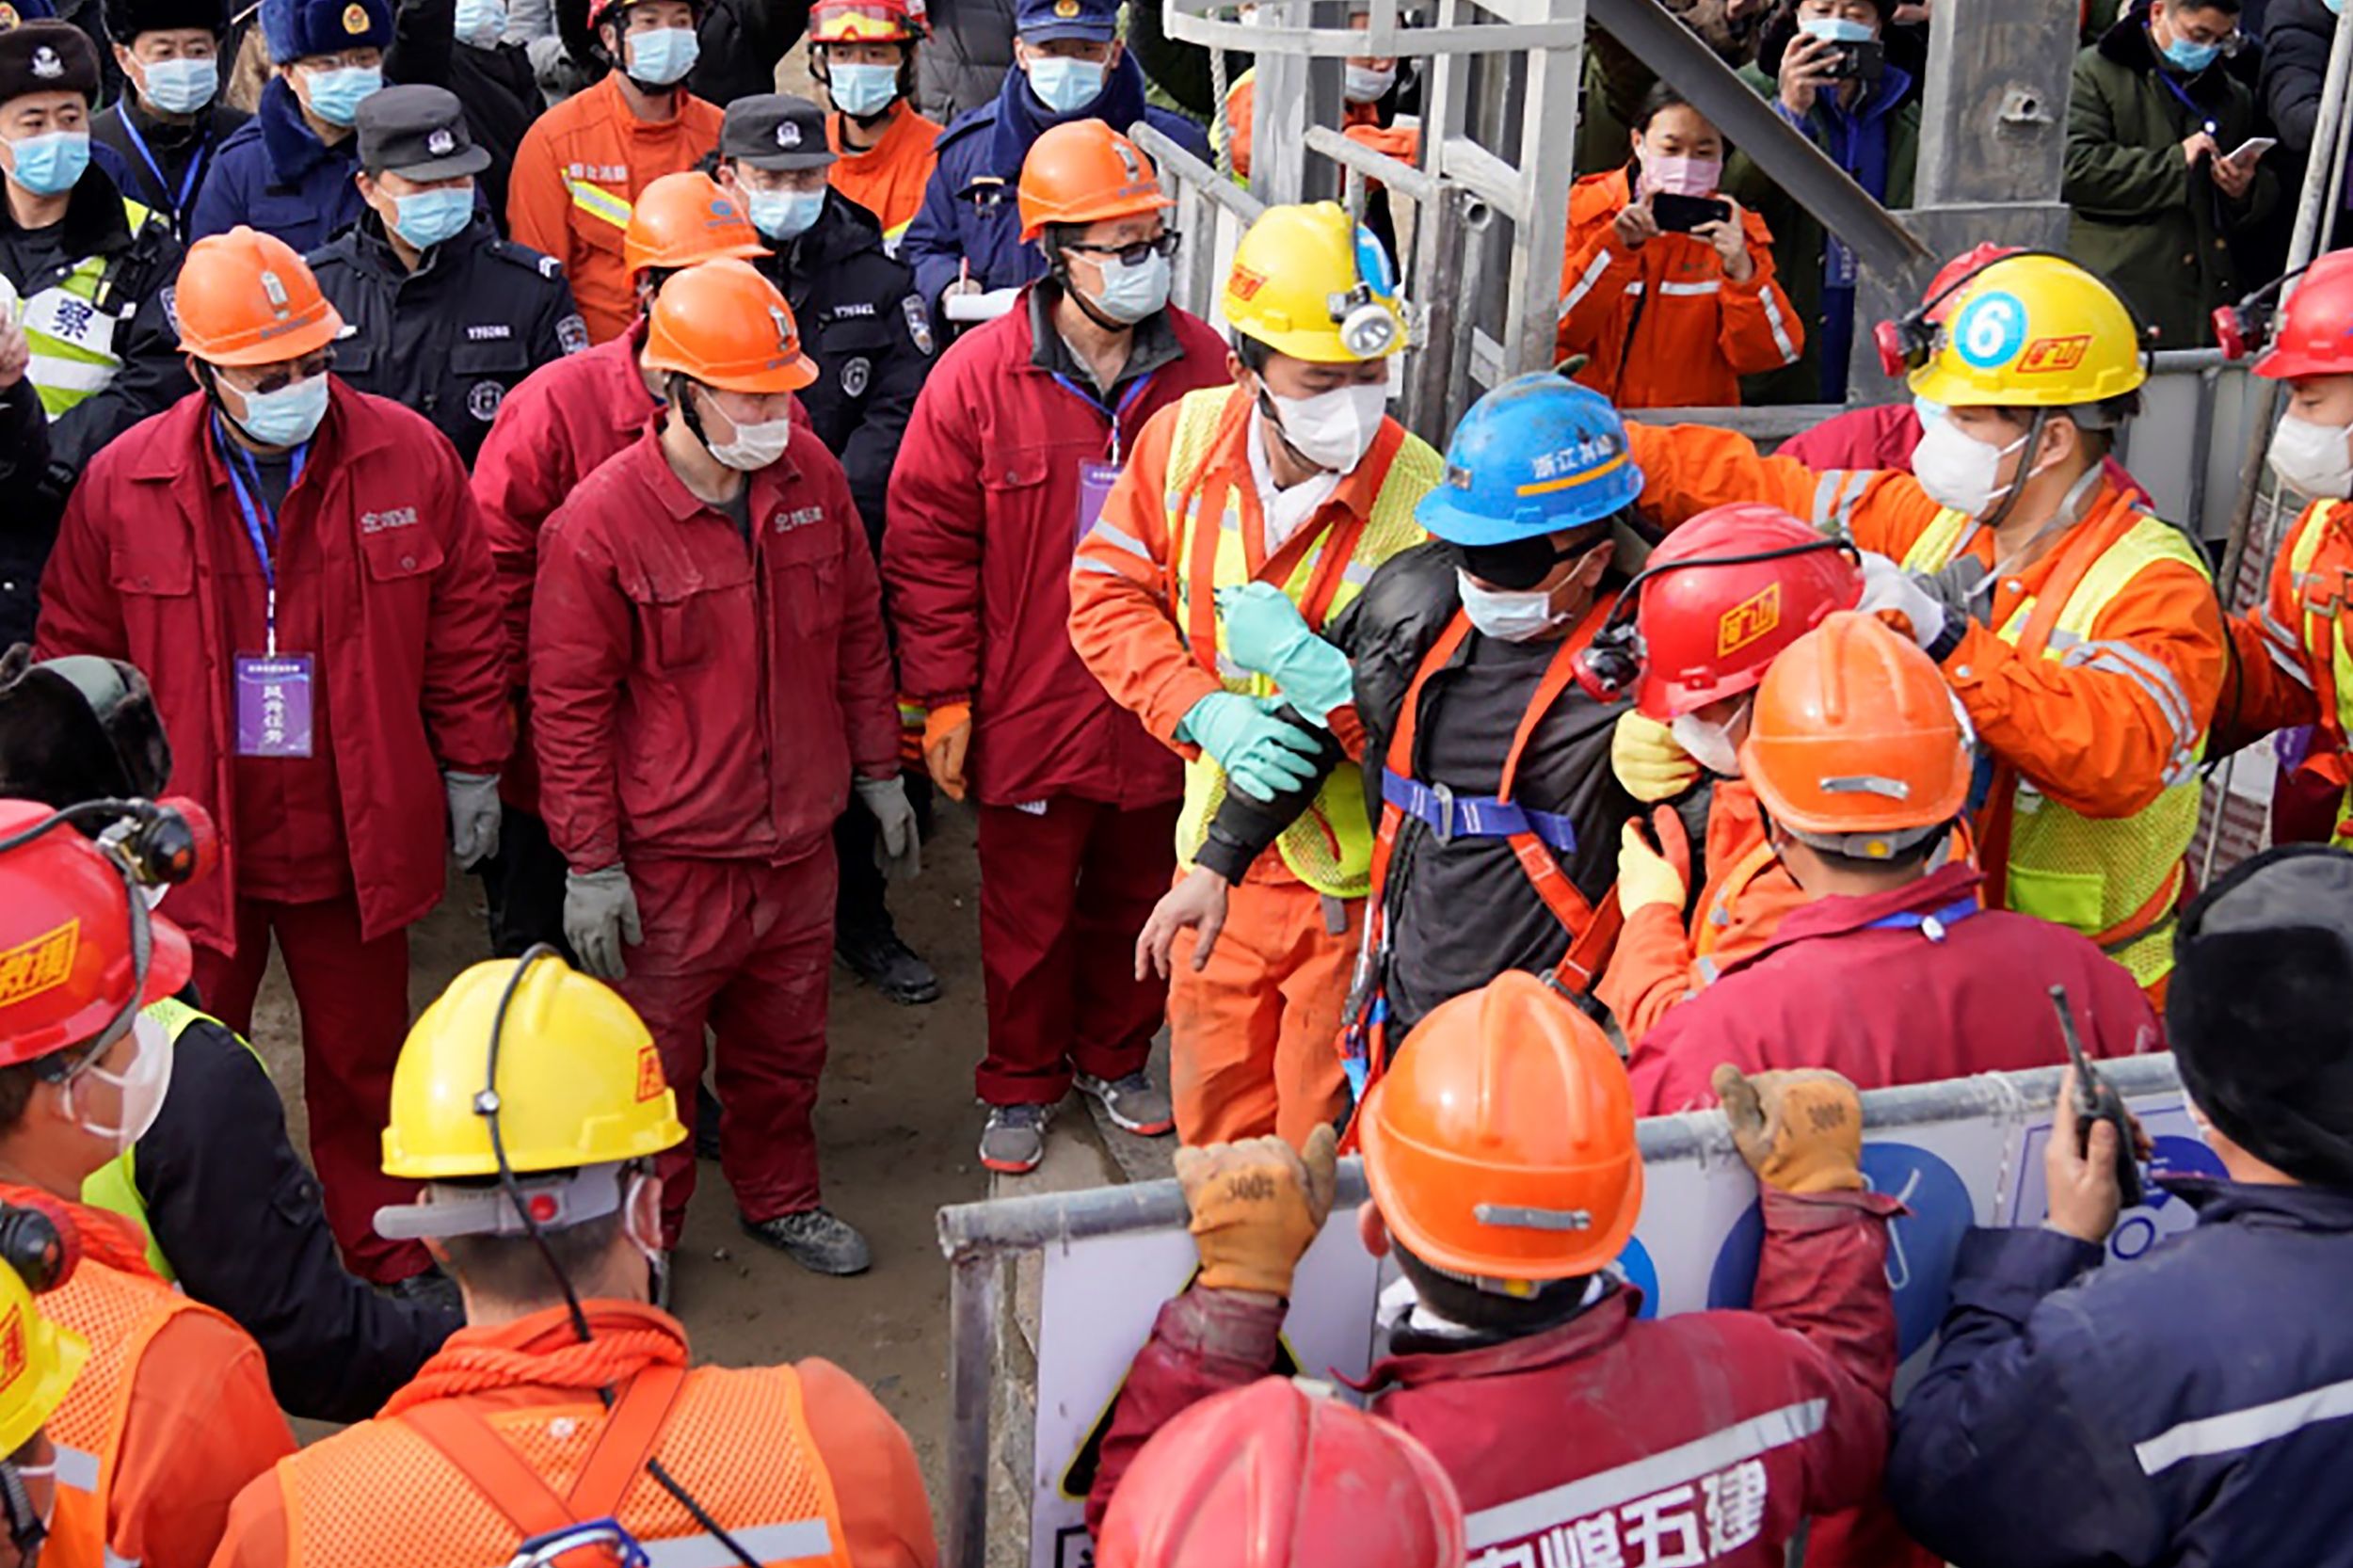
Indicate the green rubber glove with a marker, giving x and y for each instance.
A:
(1264, 631)
(1263, 755)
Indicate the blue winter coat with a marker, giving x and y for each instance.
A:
(2194, 1406)
(274, 174)
(968, 209)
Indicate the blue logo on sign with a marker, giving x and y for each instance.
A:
(2163, 1214)
(1920, 1245)
(1989, 330)
(1642, 1273)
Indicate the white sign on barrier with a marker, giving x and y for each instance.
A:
(1695, 1248)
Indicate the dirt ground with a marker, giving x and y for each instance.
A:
(897, 1126)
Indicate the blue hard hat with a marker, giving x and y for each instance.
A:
(1537, 455)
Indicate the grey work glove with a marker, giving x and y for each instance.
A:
(902, 846)
(600, 914)
(473, 816)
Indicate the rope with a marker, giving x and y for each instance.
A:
(614, 1356)
(1222, 132)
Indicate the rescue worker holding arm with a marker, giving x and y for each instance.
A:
(552, 432)
(1500, 1153)
(2080, 632)
(1016, 443)
(709, 686)
(567, 1398)
(862, 53)
(1297, 477)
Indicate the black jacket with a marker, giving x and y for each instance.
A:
(2296, 65)
(240, 1218)
(964, 61)
(870, 334)
(180, 153)
(29, 516)
(452, 338)
(742, 42)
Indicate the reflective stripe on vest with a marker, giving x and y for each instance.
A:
(2096, 874)
(114, 1185)
(2321, 597)
(600, 202)
(70, 326)
(1330, 847)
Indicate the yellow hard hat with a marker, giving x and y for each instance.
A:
(2033, 331)
(1312, 282)
(579, 1080)
(39, 1362)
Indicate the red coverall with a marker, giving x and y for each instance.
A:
(700, 706)
(1702, 1438)
(1078, 801)
(384, 582)
(1978, 1001)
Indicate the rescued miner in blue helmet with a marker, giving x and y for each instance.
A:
(1472, 663)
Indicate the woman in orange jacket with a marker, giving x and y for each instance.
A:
(1671, 317)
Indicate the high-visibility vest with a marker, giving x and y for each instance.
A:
(120, 1313)
(2115, 879)
(70, 327)
(392, 1492)
(2317, 643)
(114, 1185)
(1330, 847)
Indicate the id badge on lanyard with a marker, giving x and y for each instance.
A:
(273, 689)
(1096, 479)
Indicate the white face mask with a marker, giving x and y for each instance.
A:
(141, 1086)
(1710, 744)
(1362, 84)
(755, 445)
(1959, 470)
(1334, 429)
(1519, 616)
(2313, 460)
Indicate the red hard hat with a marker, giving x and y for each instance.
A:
(2311, 337)
(65, 942)
(1707, 630)
(1272, 1476)
(1974, 259)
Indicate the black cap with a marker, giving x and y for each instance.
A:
(47, 56)
(418, 132)
(776, 130)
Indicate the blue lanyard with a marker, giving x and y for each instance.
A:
(2196, 111)
(260, 523)
(1933, 925)
(187, 183)
(1127, 401)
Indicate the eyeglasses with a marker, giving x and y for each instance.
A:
(283, 375)
(1132, 255)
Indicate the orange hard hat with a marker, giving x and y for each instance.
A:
(1272, 1476)
(683, 219)
(65, 937)
(723, 324)
(864, 22)
(1083, 172)
(246, 299)
(1500, 1143)
(1854, 737)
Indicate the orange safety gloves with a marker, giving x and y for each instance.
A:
(1257, 1207)
(947, 736)
(1800, 1128)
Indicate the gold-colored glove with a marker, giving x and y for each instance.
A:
(1648, 759)
(1648, 875)
(1800, 1128)
(1257, 1207)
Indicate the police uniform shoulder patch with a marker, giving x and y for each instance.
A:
(919, 317)
(856, 375)
(170, 295)
(572, 334)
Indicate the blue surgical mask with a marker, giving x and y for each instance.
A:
(335, 95)
(1834, 29)
(289, 416)
(1929, 408)
(1065, 85)
(1131, 293)
(182, 86)
(2191, 58)
(861, 90)
(51, 163)
(480, 22)
(785, 215)
(426, 218)
(663, 55)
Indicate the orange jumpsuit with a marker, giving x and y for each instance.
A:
(797, 1462)
(888, 179)
(580, 168)
(2294, 653)
(1663, 327)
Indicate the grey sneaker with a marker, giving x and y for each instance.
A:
(816, 1239)
(1014, 1139)
(1135, 1102)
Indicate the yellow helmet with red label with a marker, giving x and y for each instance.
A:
(2033, 331)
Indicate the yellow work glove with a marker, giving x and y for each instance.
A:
(947, 735)
(1800, 1128)
(1648, 759)
(1659, 876)
(1257, 1207)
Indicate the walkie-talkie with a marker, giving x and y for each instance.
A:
(2097, 1100)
